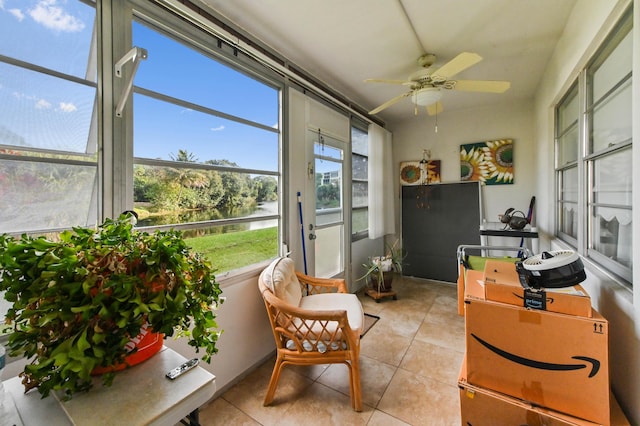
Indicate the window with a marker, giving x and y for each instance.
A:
(595, 165)
(206, 146)
(567, 114)
(197, 148)
(48, 116)
(359, 182)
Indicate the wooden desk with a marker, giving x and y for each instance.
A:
(140, 395)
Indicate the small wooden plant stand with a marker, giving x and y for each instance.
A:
(377, 295)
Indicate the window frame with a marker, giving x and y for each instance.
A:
(363, 234)
(562, 168)
(50, 156)
(187, 32)
(587, 158)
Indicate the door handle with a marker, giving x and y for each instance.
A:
(312, 236)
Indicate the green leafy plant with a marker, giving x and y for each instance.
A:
(378, 266)
(77, 302)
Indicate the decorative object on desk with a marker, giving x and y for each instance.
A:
(551, 269)
(514, 219)
(489, 162)
(78, 304)
(380, 269)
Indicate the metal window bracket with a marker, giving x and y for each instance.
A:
(134, 55)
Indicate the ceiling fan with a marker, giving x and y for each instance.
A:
(426, 85)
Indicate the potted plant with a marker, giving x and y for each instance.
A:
(80, 302)
(380, 269)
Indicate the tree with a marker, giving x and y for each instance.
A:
(265, 188)
(187, 178)
(237, 186)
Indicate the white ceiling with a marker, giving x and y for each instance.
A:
(343, 42)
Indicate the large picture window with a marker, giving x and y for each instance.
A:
(48, 119)
(206, 146)
(196, 148)
(593, 156)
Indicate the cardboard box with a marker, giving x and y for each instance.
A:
(465, 275)
(552, 360)
(501, 284)
(475, 285)
(479, 406)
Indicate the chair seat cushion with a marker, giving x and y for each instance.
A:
(332, 301)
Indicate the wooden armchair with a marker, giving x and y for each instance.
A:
(314, 321)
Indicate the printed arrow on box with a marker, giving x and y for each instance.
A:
(595, 364)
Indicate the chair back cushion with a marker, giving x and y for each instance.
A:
(280, 278)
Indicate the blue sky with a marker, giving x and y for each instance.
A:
(46, 112)
(35, 109)
(175, 70)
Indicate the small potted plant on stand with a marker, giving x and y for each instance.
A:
(380, 271)
(80, 306)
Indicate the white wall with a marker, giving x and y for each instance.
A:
(246, 340)
(591, 20)
(360, 252)
(506, 121)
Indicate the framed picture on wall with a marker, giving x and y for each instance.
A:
(419, 172)
(489, 162)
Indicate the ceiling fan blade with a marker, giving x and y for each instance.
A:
(434, 109)
(390, 102)
(482, 86)
(460, 63)
(382, 80)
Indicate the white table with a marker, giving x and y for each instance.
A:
(140, 395)
(497, 229)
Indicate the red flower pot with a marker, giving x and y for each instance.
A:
(147, 344)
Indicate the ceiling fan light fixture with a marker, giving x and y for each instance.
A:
(426, 96)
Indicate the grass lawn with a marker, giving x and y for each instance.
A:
(234, 250)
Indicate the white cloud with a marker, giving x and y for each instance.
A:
(17, 13)
(54, 17)
(67, 107)
(217, 129)
(1, 4)
(42, 104)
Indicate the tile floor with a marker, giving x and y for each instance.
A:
(410, 362)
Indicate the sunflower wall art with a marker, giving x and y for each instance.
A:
(489, 162)
(419, 172)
